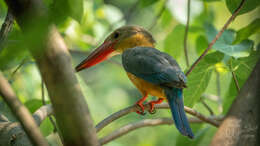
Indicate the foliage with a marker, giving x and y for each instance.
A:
(84, 24)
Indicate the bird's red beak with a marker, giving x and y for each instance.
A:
(100, 54)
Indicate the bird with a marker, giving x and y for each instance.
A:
(153, 72)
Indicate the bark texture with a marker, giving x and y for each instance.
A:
(54, 62)
(241, 125)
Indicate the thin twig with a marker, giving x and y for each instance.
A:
(22, 113)
(44, 103)
(207, 106)
(217, 37)
(18, 67)
(186, 34)
(234, 76)
(134, 108)
(6, 28)
(144, 123)
(159, 14)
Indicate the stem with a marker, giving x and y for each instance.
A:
(233, 16)
(207, 107)
(234, 77)
(186, 34)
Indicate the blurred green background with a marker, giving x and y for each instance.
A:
(84, 24)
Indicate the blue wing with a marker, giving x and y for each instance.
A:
(153, 66)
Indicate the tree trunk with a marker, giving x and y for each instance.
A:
(241, 124)
(54, 62)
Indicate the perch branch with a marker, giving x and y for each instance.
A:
(144, 123)
(233, 16)
(21, 113)
(134, 108)
(186, 34)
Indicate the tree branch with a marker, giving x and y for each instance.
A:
(233, 16)
(11, 133)
(6, 27)
(134, 108)
(42, 113)
(21, 113)
(186, 34)
(144, 123)
(54, 62)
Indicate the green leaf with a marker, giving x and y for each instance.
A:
(201, 44)
(210, 0)
(199, 78)
(225, 43)
(61, 9)
(242, 68)
(76, 9)
(249, 5)
(244, 33)
(33, 104)
(173, 44)
(166, 18)
(146, 3)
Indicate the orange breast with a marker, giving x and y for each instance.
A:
(146, 87)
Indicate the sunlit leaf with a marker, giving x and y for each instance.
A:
(225, 43)
(173, 43)
(199, 78)
(248, 6)
(245, 32)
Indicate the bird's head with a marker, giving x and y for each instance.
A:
(117, 42)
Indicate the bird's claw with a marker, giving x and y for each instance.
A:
(141, 111)
(152, 111)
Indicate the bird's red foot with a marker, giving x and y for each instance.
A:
(139, 103)
(152, 103)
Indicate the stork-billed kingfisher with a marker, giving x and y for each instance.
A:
(151, 71)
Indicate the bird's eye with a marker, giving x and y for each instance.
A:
(116, 35)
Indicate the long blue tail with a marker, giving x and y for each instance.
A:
(174, 96)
